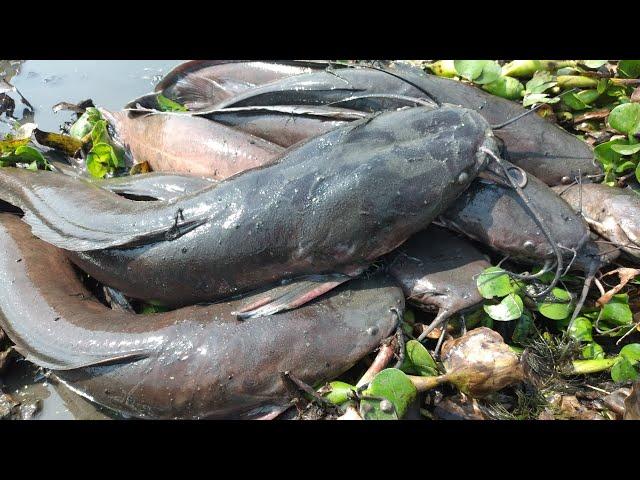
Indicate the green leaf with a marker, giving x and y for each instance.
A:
(605, 154)
(540, 82)
(524, 327)
(557, 305)
(96, 167)
(29, 154)
(418, 360)
(623, 149)
(593, 63)
(339, 393)
(617, 311)
(168, 105)
(623, 371)
(574, 102)
(99, 133)
(478, 71)
(510, 308)
(581, 330)
(624, 166)
(493, 282)
(533, 98)
(392, 385)
(505, 87)
(626, 118)
(592, 351)
(629, 68)
(631, 352)
(85, 123)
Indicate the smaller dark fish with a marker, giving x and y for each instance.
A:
(438, 269)
(493, 214)
(614, 213)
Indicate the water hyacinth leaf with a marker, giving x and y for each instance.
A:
(605, 153)
(505, 87)
(510, 308)
(168, 105)
(533, 98)
(393, 386)
(593, 64)
(623, 149)
(592, 351)
(420, 360)
(96, 166)
(540, 82)
(340, 392)
(524, 328)
(631, 352)
(623, 371)
(617, 311)
(557, 305)
(581, 330)
(493, 282)
(469, 69)
(574, 102)
(626, 118)
(478, 71)
(85, 123)
(624, 166)
(629, 68)
(99, 133)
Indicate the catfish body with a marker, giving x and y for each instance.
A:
(437, 269)
(189, 363)
(613, 213)
(330, 206)
(496, 216)
(191, 145)
(533, 143)
(200, 83)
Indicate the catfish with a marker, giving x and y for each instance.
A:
(533, 143)
(200, 83)
(191, 145)
(194, 362)
(325, 209)
(613, 213)
(438, 269)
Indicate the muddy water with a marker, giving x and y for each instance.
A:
(44, 83)
(109, 83)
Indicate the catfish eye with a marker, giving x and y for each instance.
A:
(463, 178)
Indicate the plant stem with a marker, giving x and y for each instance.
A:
(582, 367)
(427, 383)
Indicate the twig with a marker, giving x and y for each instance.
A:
(308, 390)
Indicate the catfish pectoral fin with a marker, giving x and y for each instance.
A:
(292, 295)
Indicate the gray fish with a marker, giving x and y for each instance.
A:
(193, 362)
(328, 207)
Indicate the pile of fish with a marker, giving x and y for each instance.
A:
(292, 209)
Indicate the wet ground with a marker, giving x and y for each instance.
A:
(43, 84)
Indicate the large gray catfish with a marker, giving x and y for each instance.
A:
(533, 143)
(329, 207)
(189, 363)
